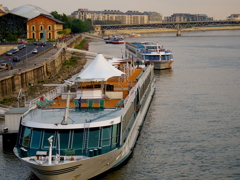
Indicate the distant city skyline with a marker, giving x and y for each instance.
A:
(218, 9)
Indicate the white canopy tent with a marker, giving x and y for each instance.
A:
(100, 69)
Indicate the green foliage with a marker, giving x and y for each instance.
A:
(71, 62)
(51, 40)
(67, 31)
(11, 37)
(81, 45)
(5, 100)
(76, 25)
(60, 32)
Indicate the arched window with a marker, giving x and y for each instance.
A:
(33, 28)
(41, 28)
(49, 28)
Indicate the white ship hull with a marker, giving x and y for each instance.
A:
(160, 65)
(149, 53)
(88, 168)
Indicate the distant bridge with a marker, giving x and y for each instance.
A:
(170, 25)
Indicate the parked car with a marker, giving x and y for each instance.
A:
(21, 46)
(15, 59)
(24, 45)
(22, 42)
(35, 51)
(16, 49)
(11, 52)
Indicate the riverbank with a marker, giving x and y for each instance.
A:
(69, 67)
(165, 30)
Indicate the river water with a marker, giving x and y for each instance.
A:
(192, 129)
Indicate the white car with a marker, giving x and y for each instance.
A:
(35, 51)
(4, 66)
(16, 48)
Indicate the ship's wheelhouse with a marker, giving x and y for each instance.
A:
(82, 141)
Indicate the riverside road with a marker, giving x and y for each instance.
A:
(27, 58)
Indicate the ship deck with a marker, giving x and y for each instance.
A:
(123, 87)
(101, 109)
(76, 116)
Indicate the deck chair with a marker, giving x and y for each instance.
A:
(90, 103)
(48, 101)
(42, 103)
(76, 103)
(101, 102)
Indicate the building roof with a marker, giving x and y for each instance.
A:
(1, 11)
(20, 110)
(29, 11)
(49, 17)
(134, 13)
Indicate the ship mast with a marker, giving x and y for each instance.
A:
(65, 122)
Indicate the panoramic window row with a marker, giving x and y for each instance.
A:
(105, 137)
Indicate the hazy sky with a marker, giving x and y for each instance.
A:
(218, 9)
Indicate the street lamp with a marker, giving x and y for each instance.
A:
(26, 51)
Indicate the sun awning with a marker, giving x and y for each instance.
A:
(100, 69)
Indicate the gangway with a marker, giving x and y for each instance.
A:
(89, 53)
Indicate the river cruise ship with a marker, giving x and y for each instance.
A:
(152, 53)
(92, 123)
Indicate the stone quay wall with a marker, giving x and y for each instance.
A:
(20, 80)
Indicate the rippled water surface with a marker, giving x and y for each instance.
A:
(192, 129)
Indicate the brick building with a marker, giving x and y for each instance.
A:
(29, 21)
(36, 26)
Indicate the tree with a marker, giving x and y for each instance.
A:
(75, 25)
(11, 37)
(66, 31)
(60, 32)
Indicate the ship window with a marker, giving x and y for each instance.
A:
(26, 136)
(93, 138)
(46, 135)
(77, 139)
(36, 137)
(64, 139)
(106, 135)
(163, 57)
(115, 135)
